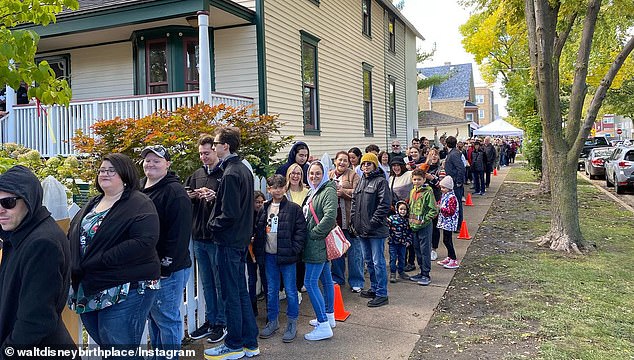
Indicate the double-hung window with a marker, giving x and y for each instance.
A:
(366, 8)
(392, 98)
(367, 99)
(310, 83)
(391, 28)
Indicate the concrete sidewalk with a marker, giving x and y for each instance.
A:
(387, 332)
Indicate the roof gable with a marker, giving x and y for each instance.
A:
(456, 87)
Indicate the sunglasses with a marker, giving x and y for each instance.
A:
(9, 202)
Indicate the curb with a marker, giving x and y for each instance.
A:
(610, 195)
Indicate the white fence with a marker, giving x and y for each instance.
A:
(50, 129)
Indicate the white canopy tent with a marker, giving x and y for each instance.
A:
(499, 128)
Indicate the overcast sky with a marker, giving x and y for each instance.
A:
(438, 21)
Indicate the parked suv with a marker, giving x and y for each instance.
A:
(589, 144)
(619, 168)
(594, 162)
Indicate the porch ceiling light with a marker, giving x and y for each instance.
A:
(192, 21)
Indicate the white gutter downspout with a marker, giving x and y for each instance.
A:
(11, 101)
(205, 63)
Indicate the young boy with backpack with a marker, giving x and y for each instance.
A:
(422, 207)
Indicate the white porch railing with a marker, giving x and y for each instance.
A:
(51, 128)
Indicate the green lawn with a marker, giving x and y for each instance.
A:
(584, 305)
(522, 173)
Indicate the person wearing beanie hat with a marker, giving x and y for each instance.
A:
(371, 158)
(399, 238)
(448, 221)
(35, 269)
(447, 182)
(371, 202)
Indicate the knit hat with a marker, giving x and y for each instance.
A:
(398, 204)
(397, 160)
(447, 182)
(370, 157)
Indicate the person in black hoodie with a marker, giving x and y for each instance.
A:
(34, 271)
(115, 267)
(175, 216)
(231, 223)
(479, 167)
(299, 154)
(201, 187)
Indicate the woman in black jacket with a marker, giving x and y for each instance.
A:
(115, 268)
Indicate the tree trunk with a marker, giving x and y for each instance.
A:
(564, 233)
(544, 183)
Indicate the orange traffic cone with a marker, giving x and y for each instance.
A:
(464, 235)
(495, 172)
(469, 202)
(340, 312)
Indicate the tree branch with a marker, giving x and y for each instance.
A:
(599, 95)
(560, 39)
(579, 85)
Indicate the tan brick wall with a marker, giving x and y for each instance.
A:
(423, 99)
(453, 108)
(488, 105)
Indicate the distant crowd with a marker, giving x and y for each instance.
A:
(125, 259)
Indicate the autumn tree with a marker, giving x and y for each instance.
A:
(18, 49)
(561, 35)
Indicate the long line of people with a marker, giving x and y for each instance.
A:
(129, 257)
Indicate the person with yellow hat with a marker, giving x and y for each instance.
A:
(370, 207)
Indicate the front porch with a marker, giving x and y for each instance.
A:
(49, 129)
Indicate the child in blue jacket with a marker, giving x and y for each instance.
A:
(399, 238)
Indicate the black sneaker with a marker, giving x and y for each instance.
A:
(409, 267)
(368, 294)
(201, 332)
(218, 332)
(378, 301)
(416, 278)
(403, 276)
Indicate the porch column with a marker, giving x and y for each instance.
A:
(11, 101)
(203, 53)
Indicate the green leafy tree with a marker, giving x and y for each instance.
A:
(18, 48)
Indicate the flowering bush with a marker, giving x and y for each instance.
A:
(179, 132)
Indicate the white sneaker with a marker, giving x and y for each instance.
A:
(282, 295)
(299, 297)
(331, 321)
(320, 332)
(303, 289)
(434, 255)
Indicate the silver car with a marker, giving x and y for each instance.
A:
(594, 162)
(619, 168)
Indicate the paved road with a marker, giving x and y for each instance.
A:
(628, 197)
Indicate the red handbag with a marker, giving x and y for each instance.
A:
(336, 242)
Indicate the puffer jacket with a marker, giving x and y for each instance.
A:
(325, 205)
(371, 205)
(291, 232)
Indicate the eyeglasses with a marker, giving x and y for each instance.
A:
(396, 146)
(108, 172)
(367, 163)
(9, 202)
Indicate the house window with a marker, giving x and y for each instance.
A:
(310, 84)
(392, 113)
(480, 114)
(367, 99)
(391, 28)
(479, 99)
(469, 116)
(191, 64)
(157, 81)
(60, 65)
(366, 6)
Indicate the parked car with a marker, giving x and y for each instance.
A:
(619, 168)
(593, 164)
(589, 144)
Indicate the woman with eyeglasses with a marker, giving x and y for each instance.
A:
(115, 268)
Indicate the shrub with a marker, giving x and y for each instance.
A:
(179, 132)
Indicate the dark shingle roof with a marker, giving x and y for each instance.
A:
(431, 118)
(456, 87)
(86, 6)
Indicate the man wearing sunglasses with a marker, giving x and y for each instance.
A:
(34, 271)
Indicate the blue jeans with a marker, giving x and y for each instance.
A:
(397, 252)
(459, 192)
(355, 264)
(166, 324)
(322, 304)
(209, 275)
(252, 271)
(288, 272)
(242, 331)
(422, 246)
(373, 253)
(120, 325)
